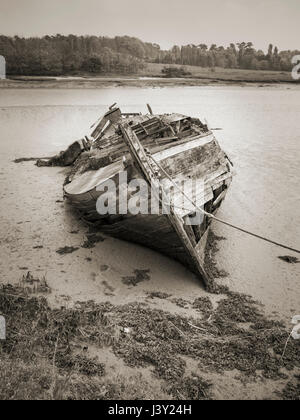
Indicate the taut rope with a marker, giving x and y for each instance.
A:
(220, 220)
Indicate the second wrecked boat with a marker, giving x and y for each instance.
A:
(164, 150)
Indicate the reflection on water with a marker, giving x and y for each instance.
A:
(260, 132)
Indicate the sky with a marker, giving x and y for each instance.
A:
(165, 22)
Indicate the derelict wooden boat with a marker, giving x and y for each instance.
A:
(164, 150)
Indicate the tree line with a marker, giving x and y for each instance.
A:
(63, 55)
(241, 55)
(57, 55)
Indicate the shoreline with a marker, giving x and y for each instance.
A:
(138, 82)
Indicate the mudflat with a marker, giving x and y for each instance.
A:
(202, 336)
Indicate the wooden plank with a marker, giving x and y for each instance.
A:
(188, 145)
(92, 179)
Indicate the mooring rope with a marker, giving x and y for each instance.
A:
(224, 222)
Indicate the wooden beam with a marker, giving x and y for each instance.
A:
(150, 109)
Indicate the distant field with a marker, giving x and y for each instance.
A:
(238, 75)
(153, 78)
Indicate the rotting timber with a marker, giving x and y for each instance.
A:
(139, 144)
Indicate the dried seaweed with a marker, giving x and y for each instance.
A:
(92, 239)
(289, 259)
(236, 336)
(203, 305)
(191, 388)
(66, 250)
(181, 303)
(158, 295)
(139, 276)
(291, 391)
(211, 249)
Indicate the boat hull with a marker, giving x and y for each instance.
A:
(201, 160)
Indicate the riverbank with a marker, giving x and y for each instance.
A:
(151, 76)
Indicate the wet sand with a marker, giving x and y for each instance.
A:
(42, 219)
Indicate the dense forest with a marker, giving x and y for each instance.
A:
(242, 55)
(62, 55)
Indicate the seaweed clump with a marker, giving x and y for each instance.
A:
(138, 277)
(211, 249)
(291, 391)
(236, 336)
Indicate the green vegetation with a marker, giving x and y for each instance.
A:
(175, 72)
(69, 55)
(202, 75)
(66, 55)
(46, 354)
(242, 55)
